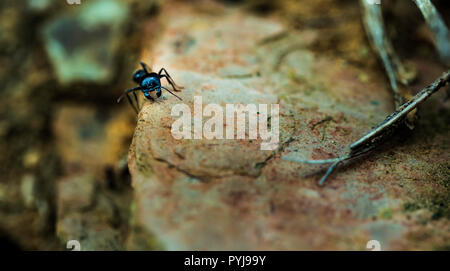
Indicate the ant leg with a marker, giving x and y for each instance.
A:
(137, 101)
(169, 79)
(128, 97)
(172, 83)
(128, 91)
(171, 93)
(144, 66)
(131, 103)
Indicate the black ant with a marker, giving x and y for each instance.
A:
(148, 82)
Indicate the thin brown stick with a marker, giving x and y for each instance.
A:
(441, 34)
(376, 136)
(376, 32)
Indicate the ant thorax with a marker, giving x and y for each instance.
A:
(151, 82)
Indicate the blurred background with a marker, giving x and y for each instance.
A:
(64, 139)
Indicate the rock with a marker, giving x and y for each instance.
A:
(231, 195)
(27, 188)
(83, 43)
(39, 6)
(10, 23)
(30, 163)
(31, 159)
(75, 193)
(93, 198)
(91, 237)
(90, 138)
(3, 192)
(86, 213)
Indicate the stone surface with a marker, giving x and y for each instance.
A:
(35, 156)
(75, 193)
(91, 138)
(228, 194)
(91, 214)
(82, 44)
(93, 196)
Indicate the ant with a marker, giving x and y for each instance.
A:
(148, 82)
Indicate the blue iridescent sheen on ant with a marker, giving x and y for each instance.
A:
(148, 82)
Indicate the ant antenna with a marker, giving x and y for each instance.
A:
(171, 93)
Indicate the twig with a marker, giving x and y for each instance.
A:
(377, 135)
(392, 121)
(440, 32)
(378, 38)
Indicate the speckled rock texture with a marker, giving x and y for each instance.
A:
(230, 195)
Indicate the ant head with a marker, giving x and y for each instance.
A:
(138, 76)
